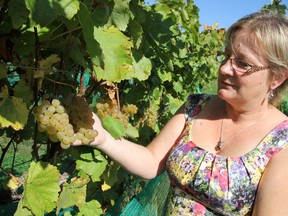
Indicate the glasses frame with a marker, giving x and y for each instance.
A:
(252, 69)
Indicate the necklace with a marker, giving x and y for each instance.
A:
(221, 141)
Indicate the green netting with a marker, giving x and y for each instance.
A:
(150, 201)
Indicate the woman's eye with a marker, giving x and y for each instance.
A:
(242, 64)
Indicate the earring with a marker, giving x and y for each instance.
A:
(271, 95)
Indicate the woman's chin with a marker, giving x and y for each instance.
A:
(224, 94)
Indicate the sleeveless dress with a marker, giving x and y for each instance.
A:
(207, 184)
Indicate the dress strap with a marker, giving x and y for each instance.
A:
(194, 104)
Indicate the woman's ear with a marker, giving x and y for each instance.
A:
(278, 80)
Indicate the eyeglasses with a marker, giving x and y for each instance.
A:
(241, 66)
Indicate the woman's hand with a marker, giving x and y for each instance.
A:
(100, 138)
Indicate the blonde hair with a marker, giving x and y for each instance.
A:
(271, 32)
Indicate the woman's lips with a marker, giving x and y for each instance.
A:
(227, 83)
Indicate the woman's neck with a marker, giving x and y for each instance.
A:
(240, 115)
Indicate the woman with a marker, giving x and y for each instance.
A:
(225, 153)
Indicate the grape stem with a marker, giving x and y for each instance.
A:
(58, 82)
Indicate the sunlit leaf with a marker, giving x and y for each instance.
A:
(105, 186)
(22, 211)
(94, 169)
(11, 183)
(90, 208)
(132, 132)
(121, 14)
(174, 103)
(68, 8)
(142, 67)
(13, 111)
(41, 188)
(114, 127)
(178, 86)
(117, 54)
(91, 155)
(73, 193)
(165, 76)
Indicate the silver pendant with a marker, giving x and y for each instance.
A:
(219, 146)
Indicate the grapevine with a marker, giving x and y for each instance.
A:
(105, 109)
(150, 117)
(65, 122)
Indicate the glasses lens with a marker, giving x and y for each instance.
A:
(222, 58)
(240, 66)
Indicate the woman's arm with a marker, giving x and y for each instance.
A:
(146, 162)
(272, 195)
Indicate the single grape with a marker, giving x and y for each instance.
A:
(60, 135)
(64, 146)
(53, 138)
(66, 140)
(55, 102)
(41, 127)
(44, 120)
(85, 140)
(52, 109)
(79, 135)
(91, 134)
(60, 109)
(51, 130)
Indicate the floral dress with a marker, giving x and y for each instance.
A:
(207, 184)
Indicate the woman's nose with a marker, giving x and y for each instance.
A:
(226, 68)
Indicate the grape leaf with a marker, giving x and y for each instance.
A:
(132, 132)
(111, 176)
(92, 168)
(41, 12)
(136, 32)
(13, 111)
(121, 14)
(90, 208)
(114, 127)
(174, 103)
(142, 67)
(23, 90)
(11, 183)
(68, 8)
(93, 46)
(90, 155)
(18, 12)
(116, 50)
(73, 193)
(41, 188)
(22, 211)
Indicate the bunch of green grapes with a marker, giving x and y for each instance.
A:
(105, 109)
(80, 116)
(66, 122)
(149, 118)
(53, 119)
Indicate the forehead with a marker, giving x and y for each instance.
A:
(244, 42)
